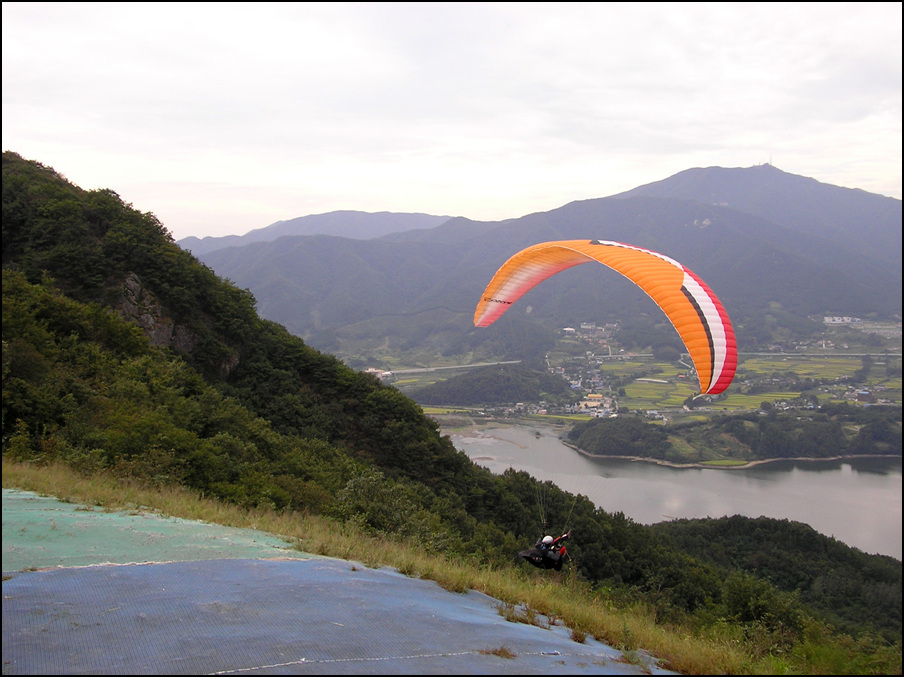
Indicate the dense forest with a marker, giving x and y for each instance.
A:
(830, 431)
(783, 553)
(498, 384)
(123, 354)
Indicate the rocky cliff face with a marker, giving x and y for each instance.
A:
(138, 304)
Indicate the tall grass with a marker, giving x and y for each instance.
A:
(562, 596)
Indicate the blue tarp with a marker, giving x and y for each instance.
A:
(269, 616)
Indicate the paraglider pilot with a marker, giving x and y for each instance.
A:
(552, 547)
(548, 552)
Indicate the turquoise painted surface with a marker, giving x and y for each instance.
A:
(41, 532)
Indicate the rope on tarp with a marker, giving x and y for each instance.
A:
(453, 654)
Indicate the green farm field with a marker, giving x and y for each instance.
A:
(805, 366)
(662, 385)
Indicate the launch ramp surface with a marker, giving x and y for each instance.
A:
(246, 602)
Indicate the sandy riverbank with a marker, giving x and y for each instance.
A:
(716, 464)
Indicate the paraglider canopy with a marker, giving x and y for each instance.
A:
(690, 305)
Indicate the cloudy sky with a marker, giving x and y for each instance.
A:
(225, 117)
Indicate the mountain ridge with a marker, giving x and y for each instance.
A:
(803, 273)
(767, 191)
(352, 224)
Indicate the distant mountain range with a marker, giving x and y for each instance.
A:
(775, 247)
(352, 224)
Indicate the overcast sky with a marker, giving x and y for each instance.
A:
(221, 118)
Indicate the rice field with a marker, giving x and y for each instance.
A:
(653, 395)
(622, 366)
(647, 392)
(802, 365)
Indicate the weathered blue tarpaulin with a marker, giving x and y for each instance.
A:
(282, 615)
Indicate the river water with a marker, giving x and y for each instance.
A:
(857, 501)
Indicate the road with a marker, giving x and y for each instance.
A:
(457, 366)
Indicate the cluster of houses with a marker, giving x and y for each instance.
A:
(598, 392)
(835, 319)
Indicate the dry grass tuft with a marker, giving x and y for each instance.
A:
(502, 652)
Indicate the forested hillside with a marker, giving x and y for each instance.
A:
(813, 207)
(831, 431)
(782, 553)
(503, 384)
(123, 354)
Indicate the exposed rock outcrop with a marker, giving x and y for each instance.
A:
(138, 304)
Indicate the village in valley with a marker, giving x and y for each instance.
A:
(803, 373)
(853, 360)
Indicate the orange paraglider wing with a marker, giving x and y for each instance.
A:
(690, 305)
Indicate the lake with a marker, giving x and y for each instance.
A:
(857, 501)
